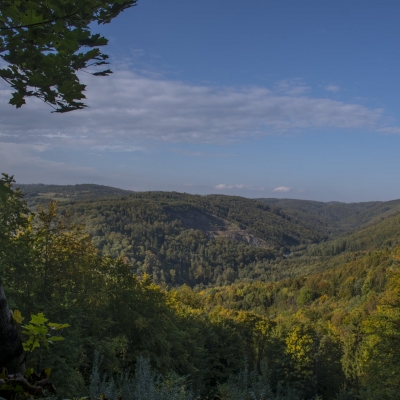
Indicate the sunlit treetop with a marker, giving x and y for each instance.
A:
(45, 42)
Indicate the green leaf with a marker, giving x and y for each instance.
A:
(38, 319)
(45, 44)
(17, 99)
(31, 344)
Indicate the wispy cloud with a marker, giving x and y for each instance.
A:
(57, 136)
(117, 148)
(390, 130)
(223, 186)
(127, 108)
(293, 87)
(282, 189)
(332, 88)
(191, 153)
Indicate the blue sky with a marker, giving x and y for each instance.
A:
(258, 99)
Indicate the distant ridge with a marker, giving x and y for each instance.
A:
(340, 217)
(42, 193)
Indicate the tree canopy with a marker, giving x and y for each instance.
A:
(331, 334)
(46, 42)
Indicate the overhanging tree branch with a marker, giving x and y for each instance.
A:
(42, 42)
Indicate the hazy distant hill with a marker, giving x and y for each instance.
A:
(335, 217)
(40, 193)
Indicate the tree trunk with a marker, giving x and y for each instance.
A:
(12, 354)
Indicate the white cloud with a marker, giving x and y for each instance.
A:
(57, 135)
(390, 130)
(282, 189)
(127, 108)
(222, 186)
(332, 88)
(117, 148)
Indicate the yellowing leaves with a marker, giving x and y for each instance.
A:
(57, 326)
(17, 317)
(300, 347)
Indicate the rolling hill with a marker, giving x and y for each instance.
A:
(180, 238)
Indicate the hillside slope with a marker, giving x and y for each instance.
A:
(179, 238)
(335, 217)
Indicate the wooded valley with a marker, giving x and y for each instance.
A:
(216, 297)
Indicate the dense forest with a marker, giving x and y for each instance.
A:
(175, 296)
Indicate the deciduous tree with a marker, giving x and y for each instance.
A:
(43, 43)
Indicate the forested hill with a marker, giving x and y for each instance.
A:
(180, 238)
(40, 193)
(328, 219)
(355, 229)
(229, 216)
(330, 335)
(380, 232)
(336, 217)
